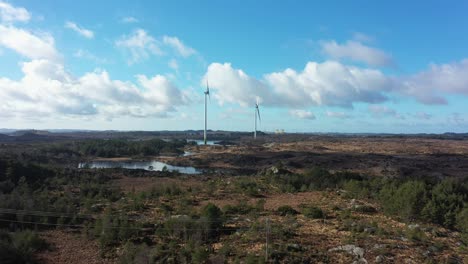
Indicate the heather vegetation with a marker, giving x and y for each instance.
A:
(209, 219)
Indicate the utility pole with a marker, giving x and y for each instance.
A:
(255, 123)
(204, 134)
(267, 231)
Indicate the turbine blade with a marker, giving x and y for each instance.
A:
(258, 112)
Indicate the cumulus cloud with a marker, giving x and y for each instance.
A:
(341, 115)
(302, 114)
(80, 30)
(357, 51)
(140, 45)
(28, 44)
(332, 83)
(47, 89)
(175, 43)
(231, 85)
(9, 13)
(329, 83)
(430, 86)
(129, 20)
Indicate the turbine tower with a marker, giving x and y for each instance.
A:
(257, 112)
(207, 93)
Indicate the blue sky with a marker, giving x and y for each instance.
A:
(315, 66)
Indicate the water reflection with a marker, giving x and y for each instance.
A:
(142, 165)
(201, 142)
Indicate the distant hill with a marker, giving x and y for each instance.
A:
(6, 138)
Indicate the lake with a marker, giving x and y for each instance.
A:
(142, 165)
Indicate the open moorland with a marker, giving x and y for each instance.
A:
(291, 198)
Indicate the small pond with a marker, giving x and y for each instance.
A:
(142, 165)
(201, 142)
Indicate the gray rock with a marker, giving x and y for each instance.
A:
(360, 261)
(370, 230)
(379, 259)
(351, 249)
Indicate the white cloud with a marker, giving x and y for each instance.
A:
(129, 20)
(341, 115)
(302, 114)
(25, 43)
(140, 45)
(80, 30)
(231, 85)
(173, 64)
(430, 86)
(175, 43)
(329, 83)
(332, 83)
(356, 51)
(9, 13)
(47, 89)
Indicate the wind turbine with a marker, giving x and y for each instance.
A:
(257, 112)
(207, 93)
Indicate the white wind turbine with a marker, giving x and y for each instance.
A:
(207, 93)
(257, 112)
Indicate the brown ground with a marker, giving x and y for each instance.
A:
(374, 156)
(71, 248)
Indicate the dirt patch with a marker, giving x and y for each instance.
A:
(67, 247)
(128, 184)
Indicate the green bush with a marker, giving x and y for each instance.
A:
(286, 210)
(462, 225)
(444, 204)
(406, 201)
(213, 218)
(19, 247)
(313, 212)
(241, 208)
(416, 234)
(133, 253)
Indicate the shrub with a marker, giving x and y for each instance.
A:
(286, 210)
(241, 208)
(213, 219)
(135, 254)
(462, 225)
(357, 189)
(445, 202)
(365, 209)
(406, 201)
(313, 212)
(416, 234)
(19, 247)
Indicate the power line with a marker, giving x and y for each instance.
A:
(87, 216)
(134, 228)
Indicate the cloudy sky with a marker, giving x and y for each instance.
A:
(315, 66)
